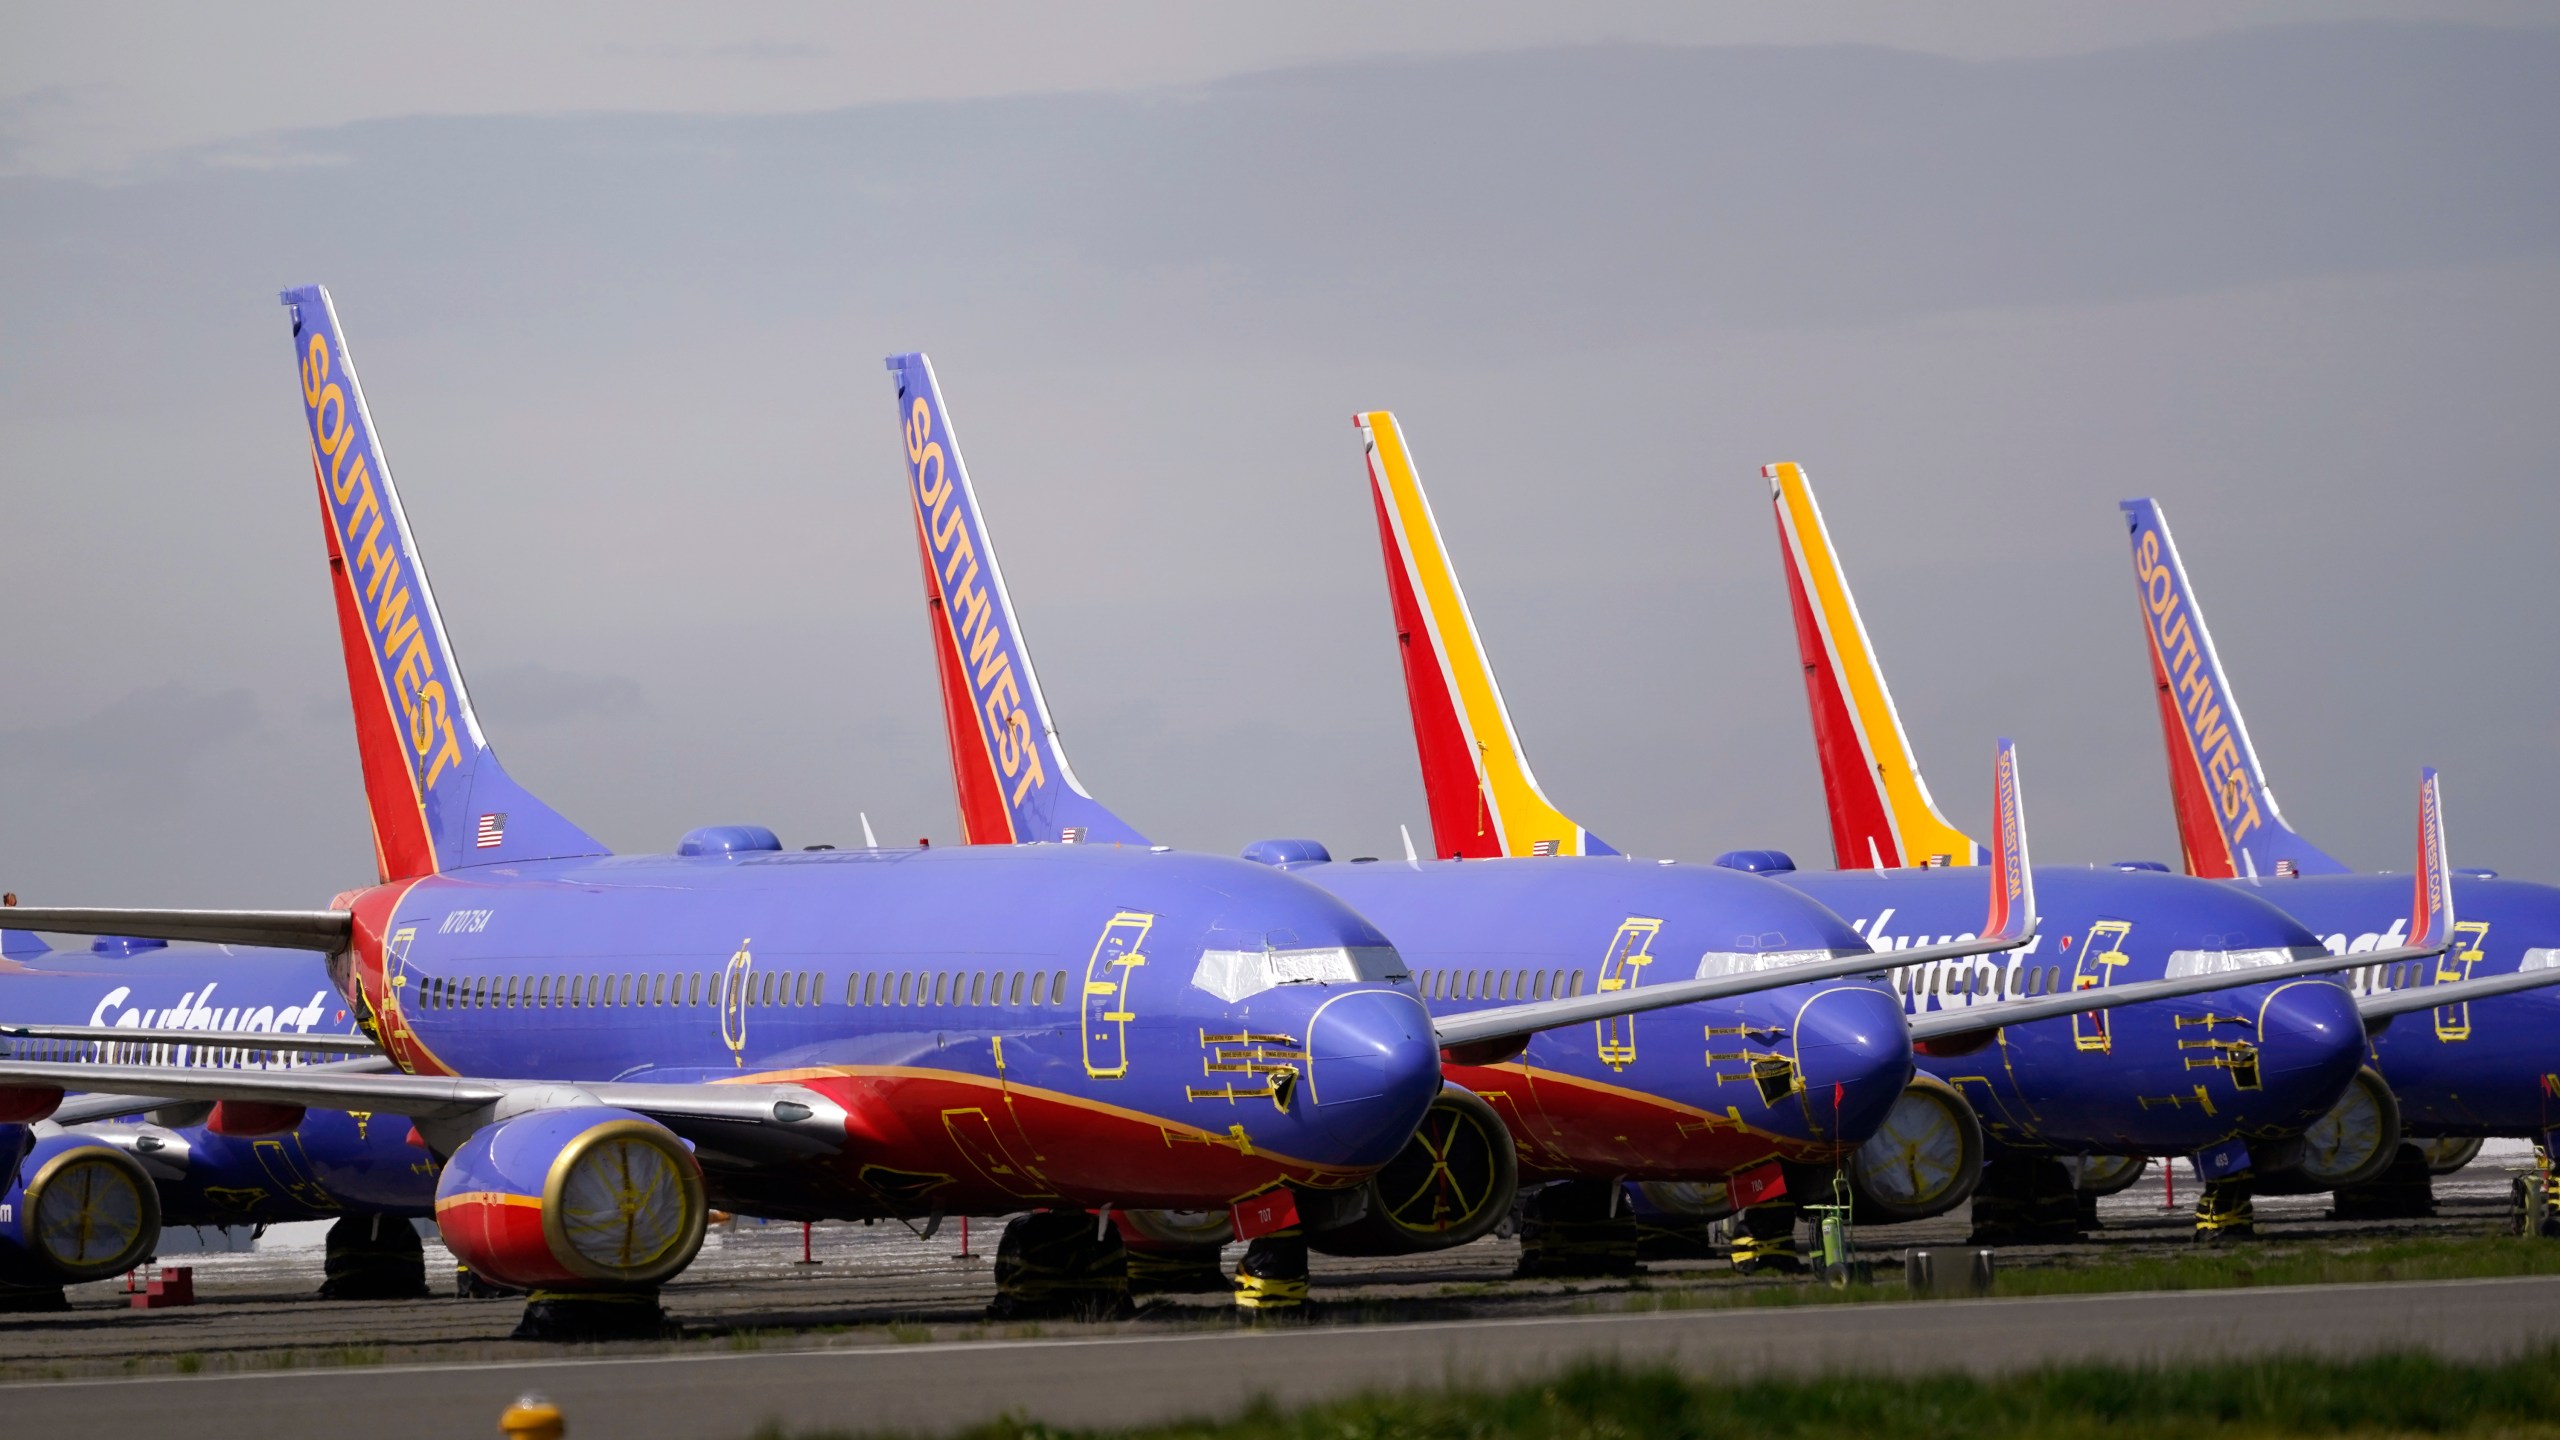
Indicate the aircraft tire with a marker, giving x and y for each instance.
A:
(2448, 1153)
(1924, 1160)
(2110, 1174)
(1695, 1200)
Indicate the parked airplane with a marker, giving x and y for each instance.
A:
(1997, 1101)
(107, 1173)
(1882, 816)
(2473, 1069)
(599, 1047)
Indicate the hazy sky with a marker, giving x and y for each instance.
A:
(619, 285)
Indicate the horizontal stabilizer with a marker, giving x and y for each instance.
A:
(273, 1040)
(323, 930)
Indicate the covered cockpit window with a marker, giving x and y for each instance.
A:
(1231, 975)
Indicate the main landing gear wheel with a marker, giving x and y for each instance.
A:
(1176, 1252)
(2356, 1140)
(1451, 1183)
(1924, 1160)
(2110, 1174)
(374, 1257)
(2448, 1153)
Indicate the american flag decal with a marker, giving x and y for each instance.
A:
(492, 833)
(1542, 847)
(1071, 835)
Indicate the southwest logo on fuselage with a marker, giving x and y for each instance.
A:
(980, 631)
(2180, 659)
(411, 669)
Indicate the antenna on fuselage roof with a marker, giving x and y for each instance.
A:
(1410, 856)
(869, 840)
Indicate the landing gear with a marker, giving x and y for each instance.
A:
(1060, 1264)
(572, 1315)
(1271, 1280)
(1676, 1219)
(2025, 1200)
(374, 1257)
(1577, 1228)
(2224, 1211)
(1175, 1252)
(1764, 1239)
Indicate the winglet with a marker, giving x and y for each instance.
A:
(439, 798)
(2431, 908)
(1882, 816)
(2228, 824)
(1483, 800)
(1007, 764)
(2013, 881)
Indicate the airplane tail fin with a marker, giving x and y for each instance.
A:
(2228, 824)
(1882, 816)
(2431, 909)
(1007, 764)
(440, 799)
(2013, 877)
(1483, 800)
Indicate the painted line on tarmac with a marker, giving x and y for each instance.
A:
(1418, 1327)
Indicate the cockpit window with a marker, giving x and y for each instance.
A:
(1716, 964)
(2183, 963)
(1231, 975)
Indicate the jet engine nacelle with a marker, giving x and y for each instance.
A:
(584, 1198)
(1453, 1182)
(1924, 1160)
(78, 1210)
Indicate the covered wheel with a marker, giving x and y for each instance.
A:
(1924, 1160)
(2356, 1139)
(2110, 1174)
(1452, 1183)
(2448, 1153)
(1695, 1200)
(85, 1211)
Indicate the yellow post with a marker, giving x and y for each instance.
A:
(532, 1417)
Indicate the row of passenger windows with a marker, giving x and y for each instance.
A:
(139, 1052)
(753, 988)
(1499, 984)
(2395, 977)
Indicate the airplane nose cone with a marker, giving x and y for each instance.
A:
(1855, 1054)
(2310, 1042)
(1372, 1068)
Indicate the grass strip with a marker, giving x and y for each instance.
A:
(2412, 1394)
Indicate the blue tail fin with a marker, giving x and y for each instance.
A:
(439, 798)
(2228, 823)
(1007, 763)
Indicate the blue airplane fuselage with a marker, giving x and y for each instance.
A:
(1690, 1092)
(1006, 1027)
(2165, 1077)
(2484, 1068)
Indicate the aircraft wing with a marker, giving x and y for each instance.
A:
(745, 1118)
(89, 1106)
(280, 1042)
(323, 930)
(2427, 997)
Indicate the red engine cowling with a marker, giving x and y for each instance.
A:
(590, 1198)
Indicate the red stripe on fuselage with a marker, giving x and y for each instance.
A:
(402, 846)
(1461, 817)
(976, 788)
(1851, 789)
